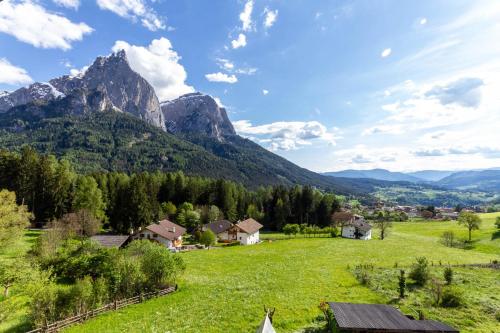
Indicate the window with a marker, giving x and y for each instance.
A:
(142, 235)
(155, 236)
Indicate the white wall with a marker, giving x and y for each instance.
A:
(248, 239)
(151, 236)
(349, 232)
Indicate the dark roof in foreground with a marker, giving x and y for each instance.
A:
(218, 226)
(110, 240)
(382, 318)
(249, 226)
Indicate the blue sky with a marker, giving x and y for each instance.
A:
(330, 85)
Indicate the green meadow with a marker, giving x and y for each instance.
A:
(225, 290)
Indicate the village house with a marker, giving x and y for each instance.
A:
(381, 318)
(164, 232)
(352, 225)
(247, 231)
(223, 229)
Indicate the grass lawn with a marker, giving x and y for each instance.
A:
(225, 290)
(9, 254)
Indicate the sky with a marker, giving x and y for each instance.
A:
(330, 85)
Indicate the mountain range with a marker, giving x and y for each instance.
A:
(482, 180)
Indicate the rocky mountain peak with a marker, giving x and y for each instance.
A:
(38, 91)
(109, 83)
(196, 113)
(123, 89)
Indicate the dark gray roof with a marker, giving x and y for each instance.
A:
(218, 226)
(382, 318)
(361, 224)
(110, 240)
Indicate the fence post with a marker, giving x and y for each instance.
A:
(141, 297)
(116, 304)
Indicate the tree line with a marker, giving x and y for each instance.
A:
(51, 188)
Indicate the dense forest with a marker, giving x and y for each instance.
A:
(51, 188)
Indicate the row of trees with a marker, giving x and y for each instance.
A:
(51, 188)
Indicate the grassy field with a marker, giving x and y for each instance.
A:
(10, 254)
(225, 290)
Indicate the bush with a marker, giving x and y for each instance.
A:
(361, 272)
(420, 271)
(497, 222)
(452, 298)
(448, 238)
(159, 266)
(448, 275)
(208, 238)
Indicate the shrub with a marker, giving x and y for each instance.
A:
(81, 295)
(401, 283)
(159, 266)
(448, 275)
(208, 238)
(448, 238)
(497, 222)
(436, 290)
(362, 275)
(452, 298)
(420, 271)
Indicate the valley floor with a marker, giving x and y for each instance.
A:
(225, 290)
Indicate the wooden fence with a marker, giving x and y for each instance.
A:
(117, 304)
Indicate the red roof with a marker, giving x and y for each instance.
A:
(249, 226)
(167, 229)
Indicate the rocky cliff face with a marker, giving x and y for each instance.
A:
(36, 92)
(109, 83)
(196, 113)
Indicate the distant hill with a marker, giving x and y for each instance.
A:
(430, 175)
(379, 174)
(485, 180)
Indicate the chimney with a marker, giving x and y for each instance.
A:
(173, 229)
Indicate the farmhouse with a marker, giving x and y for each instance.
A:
(353, 226)
(164, 232)
(247, 232)
(381, 318)
(223, 229)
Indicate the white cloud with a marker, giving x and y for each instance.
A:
(10, 74)
(241, 41)
(159, 64)
(135, 10)
(221, 77)
(286, 135)
(225, 64)
(265, 92)
(246, 70)
(423, 21)
(68, 3)
(464, 92)
(31, 23)
(246, 16)
(386, 52)
(270, 17)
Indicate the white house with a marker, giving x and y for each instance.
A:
(247, 232)
(357, 228)
(223, 229)
(164, 232)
